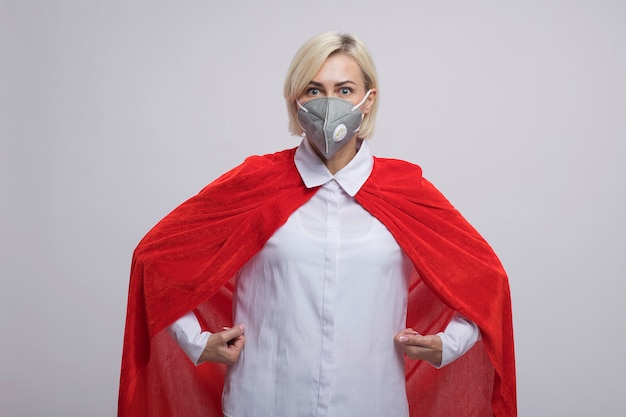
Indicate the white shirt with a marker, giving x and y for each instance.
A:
(321, 303)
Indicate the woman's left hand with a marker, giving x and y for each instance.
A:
(416, 346)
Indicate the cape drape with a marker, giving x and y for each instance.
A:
(189, 259)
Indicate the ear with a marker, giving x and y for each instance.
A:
(369, 102)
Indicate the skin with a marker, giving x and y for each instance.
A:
(341, 77)
(418, 347)
(225, 346)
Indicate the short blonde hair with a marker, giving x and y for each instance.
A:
(308, 61)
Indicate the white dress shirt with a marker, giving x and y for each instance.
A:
(322, 302)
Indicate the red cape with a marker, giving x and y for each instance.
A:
(188, 261)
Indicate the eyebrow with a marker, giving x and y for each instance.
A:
(339, 84)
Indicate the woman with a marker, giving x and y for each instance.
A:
(330, 249)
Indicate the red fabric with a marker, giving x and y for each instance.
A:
(187, 261)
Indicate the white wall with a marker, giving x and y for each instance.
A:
(114, 112)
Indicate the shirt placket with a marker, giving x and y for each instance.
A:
(331, 254)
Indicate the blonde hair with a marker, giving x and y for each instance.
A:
(308, 61)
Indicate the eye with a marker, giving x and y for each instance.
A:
(313, 91)
(345, 91)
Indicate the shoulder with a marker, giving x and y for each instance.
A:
(255, 162)
(256, 168)
(391, 171)
(283, 156)
(397, 178)
(388, 164)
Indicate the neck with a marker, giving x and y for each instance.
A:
(341, 158)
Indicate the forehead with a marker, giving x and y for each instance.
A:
(339, 68)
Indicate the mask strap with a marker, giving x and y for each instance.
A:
(362, 101)
(301, 106)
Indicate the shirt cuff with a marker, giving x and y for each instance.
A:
(459, 337)
(187, 333)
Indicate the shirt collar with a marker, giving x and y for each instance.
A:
(351, 177)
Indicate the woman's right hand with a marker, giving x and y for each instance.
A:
(225, 346)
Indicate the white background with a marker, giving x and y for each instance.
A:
(114, 112)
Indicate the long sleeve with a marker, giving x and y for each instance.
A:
(187, 333)
(458, 337)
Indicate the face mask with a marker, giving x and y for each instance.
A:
(330, 122)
